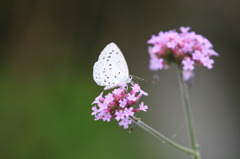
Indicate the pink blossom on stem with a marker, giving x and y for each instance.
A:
(106, 117)
(98, 99)
(117, 91)
(119, 115)
(122, 103)
(143, 107)
(207, 62)
(95, 110)
(136, 88)
(143, 93)
(156, 64)
(109, 98)
(129, 112)
(118, 104)
(185, 49)
(188, 64)
(197, 55)
(103, 106)
(125, 122)
(131, 97)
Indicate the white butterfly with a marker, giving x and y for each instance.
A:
(111, 69)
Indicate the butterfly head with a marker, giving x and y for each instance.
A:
(129, 79)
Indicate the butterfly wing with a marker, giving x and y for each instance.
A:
(97, 74)
(111, 68)
(112, 53)
(109, 75)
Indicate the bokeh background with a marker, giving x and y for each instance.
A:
(47, 51)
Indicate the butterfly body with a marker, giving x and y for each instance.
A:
(111, 69)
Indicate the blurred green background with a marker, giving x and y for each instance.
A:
(47, 51)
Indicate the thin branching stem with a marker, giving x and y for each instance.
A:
(188, 113)
(162, 137)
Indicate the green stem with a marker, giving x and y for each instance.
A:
(162, 137)
(188, 113)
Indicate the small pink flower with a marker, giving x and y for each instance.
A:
(188, 64)
(97, 117)
(171, 44)
(153, 40)
(106, 117)
(156, 64)
(143, 107)
(102, 106)
(156, 48)
(98, 99)
(125, 122)
(95, 110)
(184, 29)
(136, 88)
(131, 97)
(143, 93)
(128, 112)
(187, 47)
(122, 103)
(117, 91)
(197, 55)
(109, 98)
(119, 115)
(207, 62)
(212, 53)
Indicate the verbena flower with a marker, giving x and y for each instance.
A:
(186, 49)
(119, 105)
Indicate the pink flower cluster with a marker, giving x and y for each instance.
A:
(119, 104)
(185, 48)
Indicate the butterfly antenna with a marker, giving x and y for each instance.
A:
(139, 78)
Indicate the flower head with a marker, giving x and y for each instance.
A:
(185, 49)
(118, 105)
